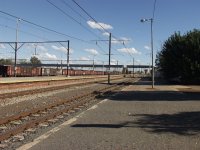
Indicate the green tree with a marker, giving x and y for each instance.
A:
(6, 62)
(24, 62)
(180, 57)
(35, 61)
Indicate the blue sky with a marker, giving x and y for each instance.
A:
(120, 17)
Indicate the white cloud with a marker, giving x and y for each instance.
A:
(92, 51)
(63, 49)
(2, 46)
(84, 58)
(147, 47)
(126, 40)
(122, 40)
(106, 34)
(99, 25)
(47, 56)
(59, 48)
(31, 45)
(115, 41)
(42, 48)
(113, 62)
(138, 61)
(129, 50)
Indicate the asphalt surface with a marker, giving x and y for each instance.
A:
(138, 117)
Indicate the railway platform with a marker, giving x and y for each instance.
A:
(10, 80)
(137, 117)
(21, 82)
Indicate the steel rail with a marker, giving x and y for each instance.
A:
(47, 89)
(34, 122)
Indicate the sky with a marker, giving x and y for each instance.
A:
(65, 20)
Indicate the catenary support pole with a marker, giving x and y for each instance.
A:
(16, 48)
(68, 58)
(109, 58)
(133, 67)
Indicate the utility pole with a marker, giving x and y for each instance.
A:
(103, 68)
(93, 64)
(16, 47)
(68, 58)
(151, 20)
(117, 66)
(152, 52)
(61, 67)
(35, 49)
(109, 58)
(109, 71)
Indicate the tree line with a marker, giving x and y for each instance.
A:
(179, 58)
(33, 61)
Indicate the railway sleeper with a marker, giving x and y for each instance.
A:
(38, 121)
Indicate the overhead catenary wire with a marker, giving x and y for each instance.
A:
(13, 28)
(92, 18)
(43, 27)
(128, 50)
(36, 42)
(66, 4)
(26, 24)
(13, 16)
(22, 31)
(105, 30)
(75, 19)
(72, 18)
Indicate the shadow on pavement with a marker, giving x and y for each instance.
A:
(184, 123)
(154, 96)
(120, 125)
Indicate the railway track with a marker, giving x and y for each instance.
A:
(47, 89)
(13, 125)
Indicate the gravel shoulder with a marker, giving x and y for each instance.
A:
(16, 105)
(11, 106)
(135, 118)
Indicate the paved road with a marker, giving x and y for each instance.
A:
(137, 118)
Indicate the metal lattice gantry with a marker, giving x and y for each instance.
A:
(16, 48)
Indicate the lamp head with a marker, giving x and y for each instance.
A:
(143, 20)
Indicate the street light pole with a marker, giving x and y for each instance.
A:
(152, 52)
(151, 20)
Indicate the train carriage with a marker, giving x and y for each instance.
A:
(29, 71)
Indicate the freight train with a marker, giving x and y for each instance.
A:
(27, 71)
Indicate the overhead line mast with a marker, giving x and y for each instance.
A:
(16, 48)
